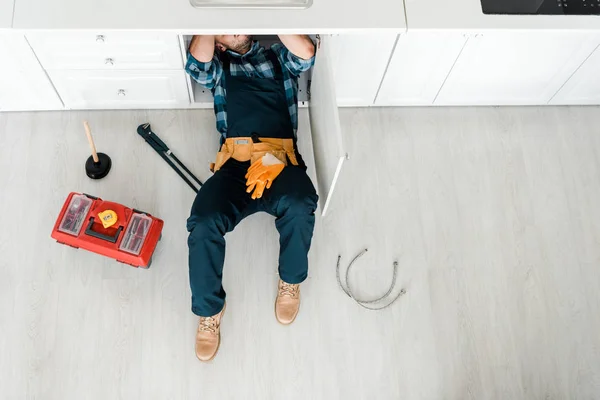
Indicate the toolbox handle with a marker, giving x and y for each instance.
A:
(108, 238)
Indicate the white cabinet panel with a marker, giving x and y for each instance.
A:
(514, 68)
(15, 53)
(421, 62)
(121, 89)
(328, 144)
(107, 50)
(27, 90)
(359, 62)
(584, 86)
(23, 83)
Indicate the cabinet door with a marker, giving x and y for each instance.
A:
(27, 90)
(514, 68)
(328, 145)
(16, 54)
(584, 86)
(24, 85)
(359, 62)
(421, 62)
(121, 89)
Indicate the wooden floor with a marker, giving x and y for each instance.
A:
(493, 215)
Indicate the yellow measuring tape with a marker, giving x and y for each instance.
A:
(108, 218)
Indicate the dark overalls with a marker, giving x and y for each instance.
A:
(256, 107)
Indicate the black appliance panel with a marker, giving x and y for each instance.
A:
(546, 7)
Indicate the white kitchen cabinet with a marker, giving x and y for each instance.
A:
(584, 85)
(112, 50)
(16, 54)
(82, 89)
(328, 142)
(515, 68)
(359, 61)
(420, 63)
(27, 90)
(24, 85)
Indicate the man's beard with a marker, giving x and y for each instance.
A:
(243, 46)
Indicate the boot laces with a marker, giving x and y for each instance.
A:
(288, 289)
(208, 324)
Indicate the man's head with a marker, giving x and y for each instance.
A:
(239, 43)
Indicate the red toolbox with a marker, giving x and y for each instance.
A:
(110, 229)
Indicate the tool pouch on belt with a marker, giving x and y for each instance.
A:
(244, 149)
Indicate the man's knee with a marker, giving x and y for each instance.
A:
(298, 203)
(208, 223)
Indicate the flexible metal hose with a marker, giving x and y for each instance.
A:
(360, 302)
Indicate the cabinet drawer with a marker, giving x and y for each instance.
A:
(121, 89)
(110, 50)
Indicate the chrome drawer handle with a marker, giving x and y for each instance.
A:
(100, 39)
(109, 61)
(122, 92)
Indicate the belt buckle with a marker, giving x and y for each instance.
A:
(242, 141)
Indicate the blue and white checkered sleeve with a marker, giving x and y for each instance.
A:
(207, 74)
(292, 62)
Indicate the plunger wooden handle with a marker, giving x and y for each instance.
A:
(88, 133)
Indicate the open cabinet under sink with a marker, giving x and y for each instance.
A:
(202, 97)
(316, 91)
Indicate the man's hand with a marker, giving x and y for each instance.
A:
(202, 47)
(300, 45)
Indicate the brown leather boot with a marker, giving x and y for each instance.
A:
(208, 337)
(287, 303)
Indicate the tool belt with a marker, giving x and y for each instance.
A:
(244, 149)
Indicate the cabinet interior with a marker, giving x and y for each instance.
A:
(202, 97)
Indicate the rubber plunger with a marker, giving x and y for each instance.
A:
(97, 165)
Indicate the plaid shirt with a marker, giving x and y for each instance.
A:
(253, 63)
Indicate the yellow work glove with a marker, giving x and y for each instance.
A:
(261, 174)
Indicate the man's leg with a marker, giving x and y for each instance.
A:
(293, 200)
(218, 208)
